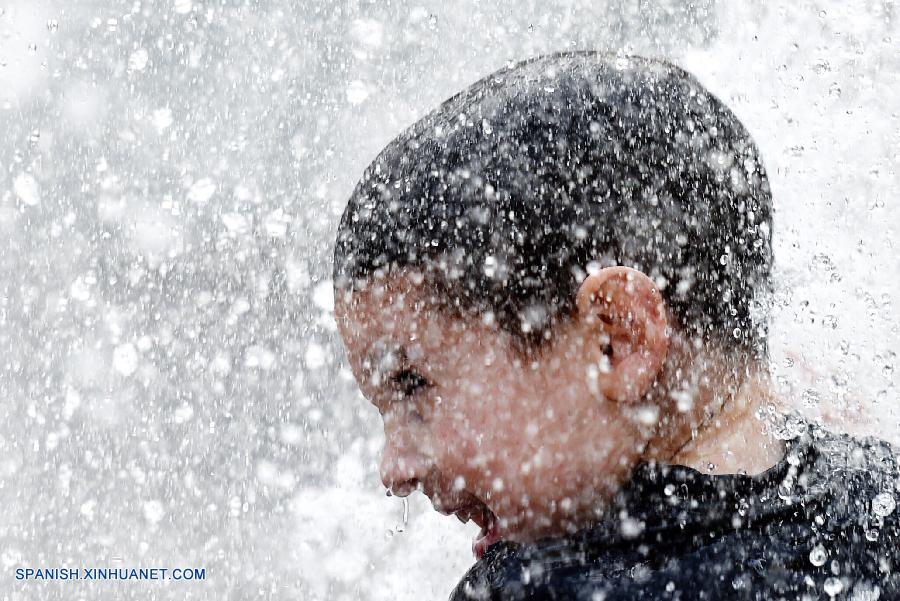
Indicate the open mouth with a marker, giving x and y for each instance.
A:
(469, 508)
(484, 517)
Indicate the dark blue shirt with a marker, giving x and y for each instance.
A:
(820, 524)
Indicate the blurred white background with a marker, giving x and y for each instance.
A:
(171, 177)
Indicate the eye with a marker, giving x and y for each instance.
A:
(408, 381)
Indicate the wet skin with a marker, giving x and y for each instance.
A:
(524, 449)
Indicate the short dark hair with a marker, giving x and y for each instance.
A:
(511, 189)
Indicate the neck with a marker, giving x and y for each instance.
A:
(735, 440)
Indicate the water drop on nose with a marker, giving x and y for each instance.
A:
(401, 527)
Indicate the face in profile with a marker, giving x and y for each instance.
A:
(524, 448)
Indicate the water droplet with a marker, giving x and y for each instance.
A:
(138, 60)
(32, 48)
(648, 415)
(833, 586)
(257, 356)
(276, 223)
(202, 190)
(52, 25)
(405, 511)
(236, 223)
(154, 511)
(315, 356)
(161, 118)
(125, 359)
(684, 400)
(357, 92)
(27, 189)
(631, 527)
(432, 22)
(818, 556)
(789, 427)
(810, 397)
(883, 504)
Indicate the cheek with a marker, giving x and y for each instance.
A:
(459, 439)
(481, 438)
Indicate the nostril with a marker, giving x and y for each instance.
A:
(403, 489)
(398, 473)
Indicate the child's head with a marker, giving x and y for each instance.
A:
(538, 283)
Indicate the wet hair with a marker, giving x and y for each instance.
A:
(511, 191)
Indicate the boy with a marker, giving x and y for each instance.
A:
(553, 288)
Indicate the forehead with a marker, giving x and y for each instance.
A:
(399, 312)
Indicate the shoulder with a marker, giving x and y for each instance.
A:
(492, 577)
(858, 527)
(857, 466)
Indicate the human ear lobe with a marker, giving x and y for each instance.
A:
(625, 313)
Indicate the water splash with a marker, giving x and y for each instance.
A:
(401, 527)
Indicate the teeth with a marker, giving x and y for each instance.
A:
(464, 515)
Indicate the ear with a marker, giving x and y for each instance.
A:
(627, 327)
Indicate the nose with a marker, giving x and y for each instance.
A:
(405, 463)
